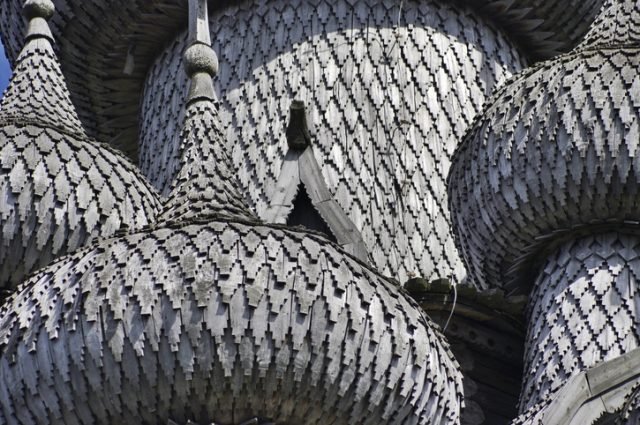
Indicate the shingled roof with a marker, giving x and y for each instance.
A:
(384, 115)
(209, 316)
(108, 82)
(552, 155)
(107, 54)
(545, 194)
(59, 189)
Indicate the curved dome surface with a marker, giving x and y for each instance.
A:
(58, 193)
(220, 322)
(58, 189)
(106, 55)
(555, 151)
(617, 25)
(546, 26)
(387, 106)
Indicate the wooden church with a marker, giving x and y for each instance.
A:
(336, 212)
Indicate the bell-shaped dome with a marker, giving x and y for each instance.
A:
(556, 151)
(58, 189)
(212, 317)
(221, 322)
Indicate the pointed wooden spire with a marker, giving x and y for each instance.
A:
(618, 24)
(206, 186)
(37, 92)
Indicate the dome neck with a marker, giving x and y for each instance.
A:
(37, 93)
(207, 185)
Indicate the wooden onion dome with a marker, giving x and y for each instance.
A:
(106, 46)
(212, 317)
(59, 189)
(544, 194)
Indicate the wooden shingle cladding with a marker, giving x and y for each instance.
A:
(301, 172)
(554, 155)
(221, 322)
(99, 40)
(544, 191)
(58, 189)
(206, 185)
(386, 107)
(583, 311)
(606, 394)
(206, 315)
(617, 25)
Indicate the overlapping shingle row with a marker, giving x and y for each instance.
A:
(207, 316)
(554, 152)
(544, 193)
(583, 311)
(107, 46)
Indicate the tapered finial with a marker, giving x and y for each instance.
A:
(39, 9)
(200, 61)
(199, 22)
(38, 12)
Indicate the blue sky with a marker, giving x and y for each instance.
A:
(5, 72)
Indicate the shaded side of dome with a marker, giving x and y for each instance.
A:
(221, 323)
(543, 28)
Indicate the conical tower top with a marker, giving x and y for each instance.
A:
(206, 186)
(38, 92)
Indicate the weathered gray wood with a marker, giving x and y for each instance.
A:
(579, 401)
(544, 191)
(283, 194)
(311, 176)
(210, 316)
(542, 161)
(378, 110)
(239, 354)
(198, 23)
(59, 189)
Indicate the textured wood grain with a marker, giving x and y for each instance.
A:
(300, 171)
(210, 317)
(107, 46)
(583, 311)
(617, 24)
(58, 189)
(605, 394)
(206, 185)
(386, 108)
(555, 151)
(545, 188)
(630, 414)
(220, 322)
